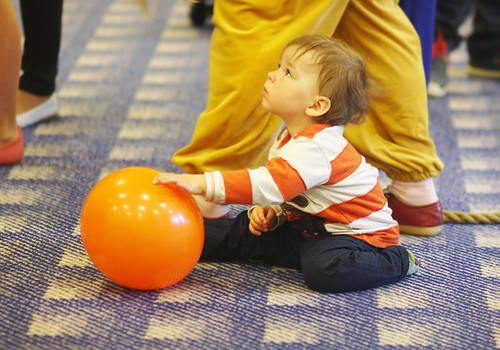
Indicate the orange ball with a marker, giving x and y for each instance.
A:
(140, 235)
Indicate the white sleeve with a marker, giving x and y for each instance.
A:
(216, 192)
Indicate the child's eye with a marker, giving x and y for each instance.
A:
(287, 73)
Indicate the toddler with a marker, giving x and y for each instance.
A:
(318, 205)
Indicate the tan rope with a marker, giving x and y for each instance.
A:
(459, 217)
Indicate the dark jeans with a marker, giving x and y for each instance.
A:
(42, 23)
(484, 42)
(328, 263)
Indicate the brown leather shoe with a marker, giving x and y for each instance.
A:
(425, 220)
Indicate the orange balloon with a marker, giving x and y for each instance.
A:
(140, 235)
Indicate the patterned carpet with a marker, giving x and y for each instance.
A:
(130, 91)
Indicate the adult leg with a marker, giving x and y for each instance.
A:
(422, 15)
(484, 43)
(395, 136)
(234, 131)
(11, 141)
(345, 264)
(42, 23)
(449, 17)
(450, 14)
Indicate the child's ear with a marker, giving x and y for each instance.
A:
(319, 107)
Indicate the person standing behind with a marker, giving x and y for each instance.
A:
(234, 131)
(319, 205)
(422, 15)
(11, 136)
(42, 23)
(483, 44)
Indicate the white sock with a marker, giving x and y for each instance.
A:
(416, 194)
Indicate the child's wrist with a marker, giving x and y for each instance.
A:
(209, 190)
(249, 211)
(281, 217)
(215, 190)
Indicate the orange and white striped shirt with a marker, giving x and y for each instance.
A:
(316, 172)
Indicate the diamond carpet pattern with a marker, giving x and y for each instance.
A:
(130, 91)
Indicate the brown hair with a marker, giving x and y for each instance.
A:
(342, 78)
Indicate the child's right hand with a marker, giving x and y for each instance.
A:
(261, 219)
(193, 183)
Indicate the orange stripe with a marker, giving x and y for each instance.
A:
(344, 164)
(284, 141)
(286, 178)
(238, 187)
(312, 130)
(381, 239)
(356, 208)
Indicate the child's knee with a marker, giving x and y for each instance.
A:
(323, 278)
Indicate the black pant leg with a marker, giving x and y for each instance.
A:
(345, 264)
(450, 14)
(484, 42)
(42, 24)
(230, 239)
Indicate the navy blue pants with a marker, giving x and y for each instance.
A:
(422, 14)
(328, 263)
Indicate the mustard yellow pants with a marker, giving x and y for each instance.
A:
(235, 132)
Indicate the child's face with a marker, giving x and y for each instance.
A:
(291, 88)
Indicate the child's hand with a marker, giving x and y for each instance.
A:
(193, 183)
(261, 219)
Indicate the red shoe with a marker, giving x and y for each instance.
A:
(13, 151)
(425, 220)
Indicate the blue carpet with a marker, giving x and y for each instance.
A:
(130, 91)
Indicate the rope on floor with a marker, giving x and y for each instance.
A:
(460, 217)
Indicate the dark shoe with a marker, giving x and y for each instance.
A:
(425, 220)
(485, 69)
(438, 84)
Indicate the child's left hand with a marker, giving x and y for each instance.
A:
(193, 183)
(261, 219)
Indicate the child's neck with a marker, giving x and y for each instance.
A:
(295, 127)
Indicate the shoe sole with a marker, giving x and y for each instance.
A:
(483, 73)
(420, 231)
(22, 122)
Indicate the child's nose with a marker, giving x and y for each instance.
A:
(271, 75)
